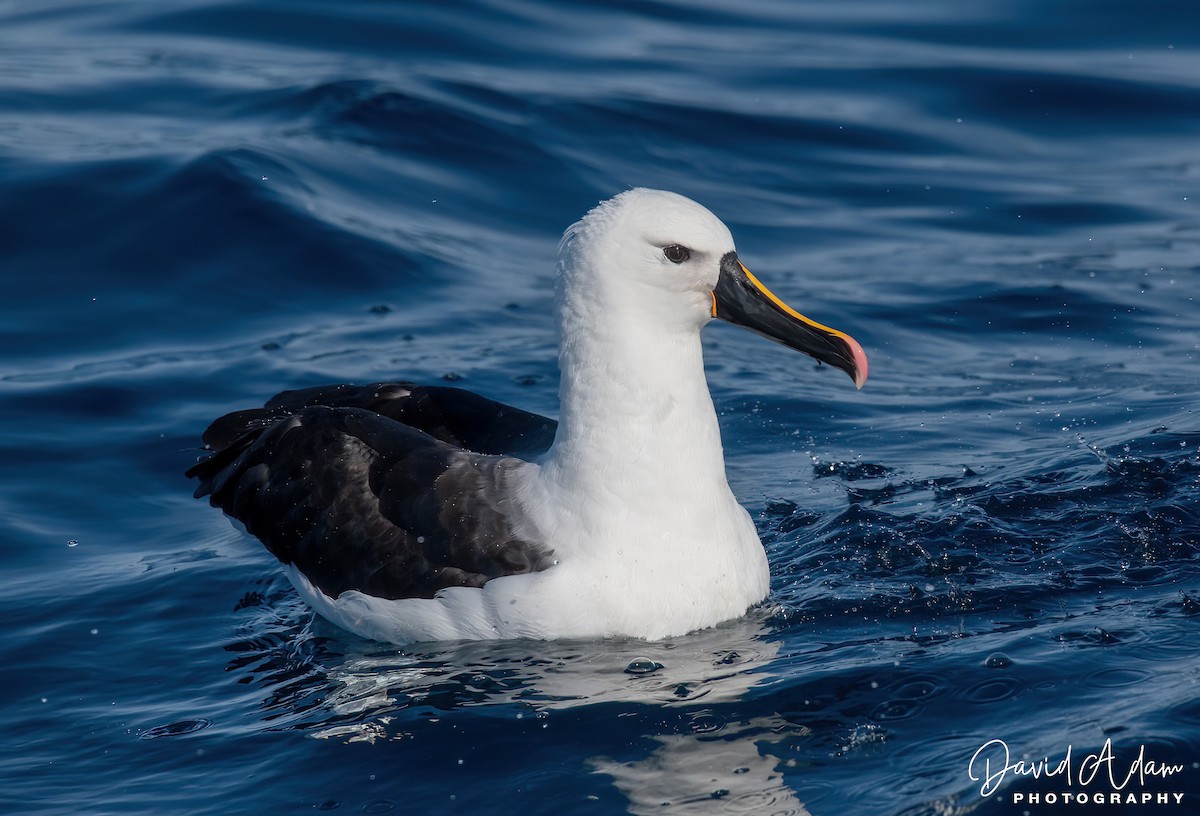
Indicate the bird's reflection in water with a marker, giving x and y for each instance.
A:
(698, 747)
(733, 772)
(716, 665)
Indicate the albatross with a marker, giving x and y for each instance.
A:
(407, 513)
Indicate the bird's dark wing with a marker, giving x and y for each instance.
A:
(452, 415)
(358, 500)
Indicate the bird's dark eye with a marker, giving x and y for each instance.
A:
(676, 253)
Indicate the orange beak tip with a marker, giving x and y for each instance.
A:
(860, 362)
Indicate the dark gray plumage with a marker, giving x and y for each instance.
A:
(391, 489)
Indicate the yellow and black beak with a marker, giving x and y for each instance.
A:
(740, 298)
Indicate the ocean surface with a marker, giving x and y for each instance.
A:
(203, 203)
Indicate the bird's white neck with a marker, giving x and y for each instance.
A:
(636, 416)
(633, 491)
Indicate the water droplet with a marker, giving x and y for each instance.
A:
(73, 542)
(998, 660)
(642, 665)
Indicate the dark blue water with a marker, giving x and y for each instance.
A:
(204, 202)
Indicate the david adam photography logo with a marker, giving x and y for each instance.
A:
(1100, 778)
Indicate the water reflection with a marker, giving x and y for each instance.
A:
(717, 665)
(732, 771)
(704, 750)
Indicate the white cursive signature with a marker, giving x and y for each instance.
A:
(994, 759)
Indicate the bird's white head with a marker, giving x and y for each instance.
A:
(649, 247)
(659, 257)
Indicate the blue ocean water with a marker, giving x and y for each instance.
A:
(204, 202)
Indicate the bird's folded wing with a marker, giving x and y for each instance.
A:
(452, 415)
(358, 500)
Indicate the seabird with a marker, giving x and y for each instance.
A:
(408, 513)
